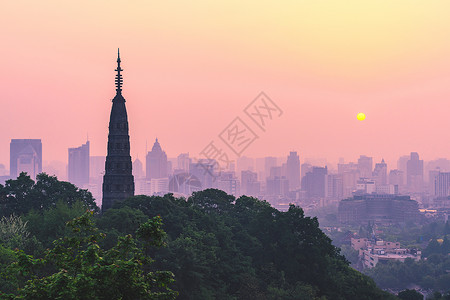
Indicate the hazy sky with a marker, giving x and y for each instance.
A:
(191, 67)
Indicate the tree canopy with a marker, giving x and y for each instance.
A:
(220, 247)
(76, 267)
(22, 194)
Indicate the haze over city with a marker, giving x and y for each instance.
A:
(225, 149)
(191, 68)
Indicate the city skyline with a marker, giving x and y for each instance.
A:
(212, 58)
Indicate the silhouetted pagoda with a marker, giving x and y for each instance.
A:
(118, 181)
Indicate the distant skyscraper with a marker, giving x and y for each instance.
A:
(204, 171)
(396, 177)
(138, 169)
(380, 173)
(401, 165)
(249, 183)
(414, 173)
(156, 162)
(277, 186)
(276, 171)
(365, 166)
(441, 184)
(305, 168)
(245, 163)
(118, 182)
(228, 183)
(350, 176)
(78, 168)
(293, 171)
(183, 162)
(335, 186)
(269, 162)
(315, 182)
(25, 156)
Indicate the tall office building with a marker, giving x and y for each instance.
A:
(245, 163)
(156, 162)
(269, 162)
(402, 162)
(350, 176)
(293, 171)
(78, 168)
(227, 182)
(396, 177)
(25, 156)
(249, 183)
(365, 166)
(380, 173)
(315, 182)
(277, 186)
(204, 172)
(118, 181)
(335, 186)
(441, 184)
(183, 162)
(414, 173)
(138, 169)
(305, 168)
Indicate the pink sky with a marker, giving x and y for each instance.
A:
(191, 67)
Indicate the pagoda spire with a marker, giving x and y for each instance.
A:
(119, 79)
(118, 181)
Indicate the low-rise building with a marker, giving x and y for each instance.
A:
(378, 208)
(371, 253)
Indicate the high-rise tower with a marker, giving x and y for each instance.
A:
(156, 162)
(78, 168)
(25, 156)
(118, 181)
(293, 170)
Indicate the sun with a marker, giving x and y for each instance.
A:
(361, 116)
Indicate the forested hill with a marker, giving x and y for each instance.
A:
(220, 247)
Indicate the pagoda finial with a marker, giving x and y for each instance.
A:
(119, 79)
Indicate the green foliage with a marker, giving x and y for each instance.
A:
(217, 246)
(21, 195)
(433, 248)
(7, 256)
(220, 247)
(13, 232)
(429, 274)
(78, 268)
(50, 224)
(351, 255)
(410, 295)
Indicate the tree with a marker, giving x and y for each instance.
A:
(13, 232)
(433, 248)
(410, 295)
(222, 248)
(21, 195)
(50, 224)
(212, 200)
(78, 268)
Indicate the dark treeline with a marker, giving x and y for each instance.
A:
(218, 247)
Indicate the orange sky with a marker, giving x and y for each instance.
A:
(191, 67)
